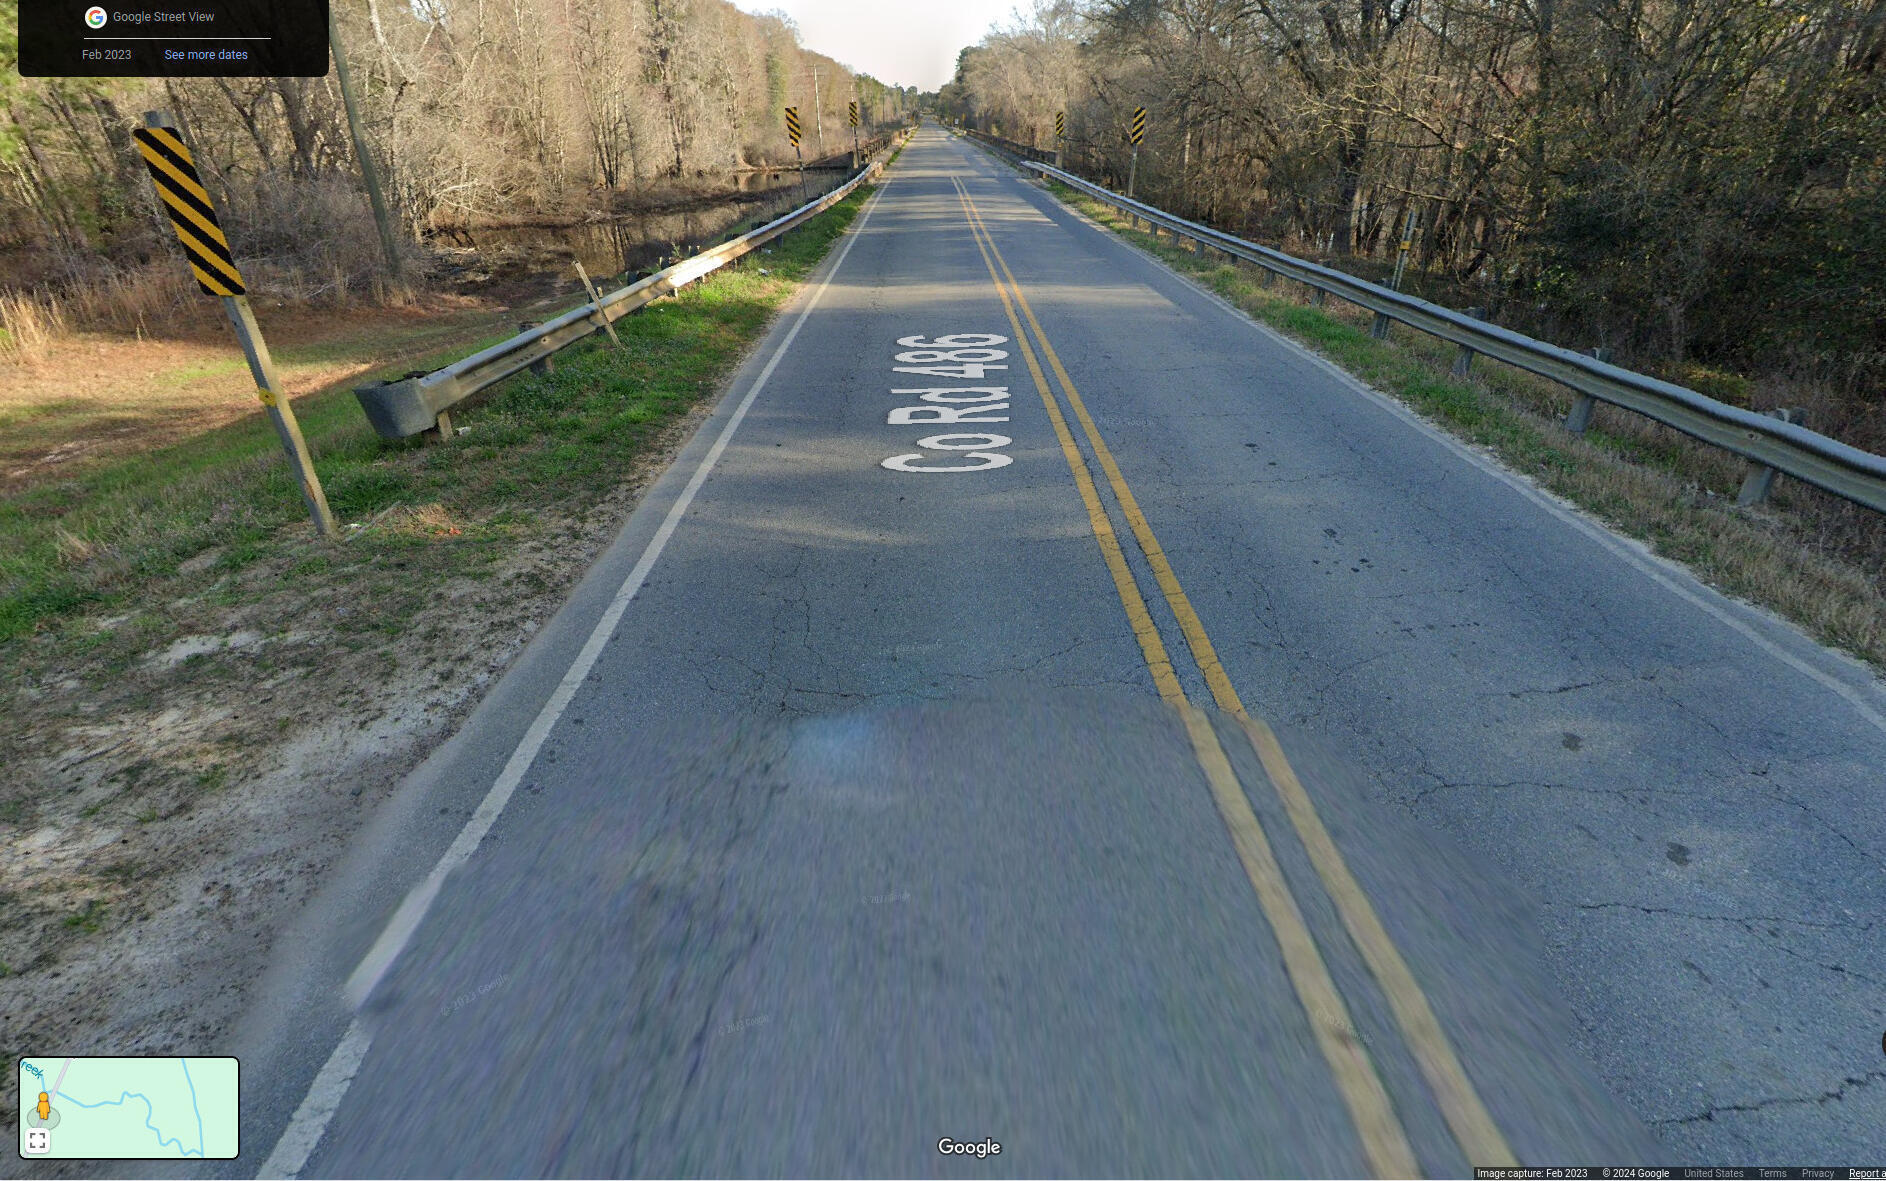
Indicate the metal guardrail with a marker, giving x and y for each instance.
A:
(1769, 442)
(401, 409)
(1010, 147)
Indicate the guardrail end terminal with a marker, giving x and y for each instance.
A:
(395, 409)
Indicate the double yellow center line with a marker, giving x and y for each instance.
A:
(1383, 1138)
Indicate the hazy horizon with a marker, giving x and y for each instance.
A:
(903, 45)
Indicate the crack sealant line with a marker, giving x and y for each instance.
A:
(330, 1085)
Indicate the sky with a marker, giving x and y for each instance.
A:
(902, 42)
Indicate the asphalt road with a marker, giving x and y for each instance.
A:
(854, 803)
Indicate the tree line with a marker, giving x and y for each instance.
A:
(473, 109)
(1696, 179)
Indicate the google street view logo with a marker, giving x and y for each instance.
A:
(95, 17)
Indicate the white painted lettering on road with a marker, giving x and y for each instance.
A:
(989, 461)
(947, 415)
(955, 443)
(982, 393)
(965, 356)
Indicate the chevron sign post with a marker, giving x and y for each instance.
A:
(193, 216)
(1136, 131)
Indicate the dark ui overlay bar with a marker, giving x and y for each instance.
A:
(173, 38)
(1715, 1172)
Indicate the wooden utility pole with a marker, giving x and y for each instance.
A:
(180, 190)
(369, 171)
(818, 119)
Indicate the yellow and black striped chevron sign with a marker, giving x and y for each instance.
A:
(792, 125)
(854, 111)
(1138, 130)
(1060, 125)
(188, 204)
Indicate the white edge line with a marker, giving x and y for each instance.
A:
(1624, 548)
(324, 1098)
(310, 1120)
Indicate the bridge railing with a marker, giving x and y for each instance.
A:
(400, 409)
(1020, 151)
(1770, 442)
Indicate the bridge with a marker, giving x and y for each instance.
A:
(1041, 708)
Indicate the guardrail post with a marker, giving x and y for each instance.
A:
(1580, 416)
(1463, 360)
(542, 367)
(1379, 329)
(1760, 479)
(1316, 297)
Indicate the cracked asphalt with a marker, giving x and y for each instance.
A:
(868, 828)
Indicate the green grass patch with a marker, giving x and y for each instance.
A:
(123, 534)
(90, 918)
(185, 374)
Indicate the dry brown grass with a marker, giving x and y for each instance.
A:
(72, 549)
(29, 326)
(304, 246)
(136, 302)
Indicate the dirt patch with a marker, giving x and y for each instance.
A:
(97, 396)
(186, 799)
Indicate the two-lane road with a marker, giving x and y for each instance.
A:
(898, 779)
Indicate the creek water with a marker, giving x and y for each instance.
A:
(618, 244)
